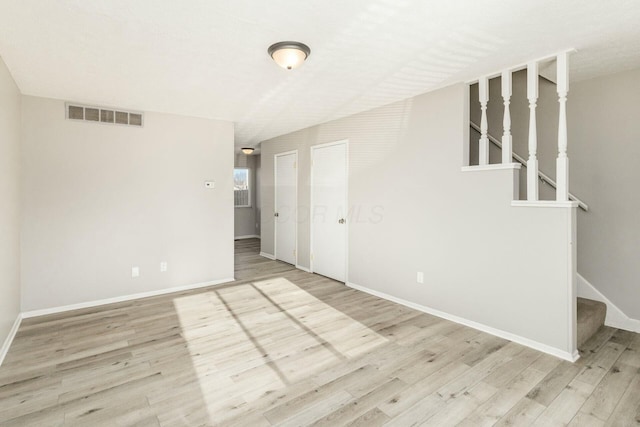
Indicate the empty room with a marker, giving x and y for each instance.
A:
(295, 213)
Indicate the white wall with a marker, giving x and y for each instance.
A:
(247, 218)
(99, 199)
(9, 202)
(504, 267)
(604, 150)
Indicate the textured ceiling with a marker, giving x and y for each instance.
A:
(208, 58)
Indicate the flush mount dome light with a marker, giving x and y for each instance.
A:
(247, 150)
(289, 55)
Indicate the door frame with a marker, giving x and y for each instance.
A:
(344, 142)
(275, 202)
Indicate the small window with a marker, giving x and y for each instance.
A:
(241, 190)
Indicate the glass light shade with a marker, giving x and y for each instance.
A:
(289, 58)
(247, 150)
(289, 55)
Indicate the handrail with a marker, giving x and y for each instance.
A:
(543, 177)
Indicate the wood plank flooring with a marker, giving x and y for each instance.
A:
(284, 347)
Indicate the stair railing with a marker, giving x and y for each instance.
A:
(562, 162)
(541, 175)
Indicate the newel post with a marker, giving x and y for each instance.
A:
(562, 163)
(532, 162)
(483, 92)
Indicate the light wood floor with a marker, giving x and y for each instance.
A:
(292, 348)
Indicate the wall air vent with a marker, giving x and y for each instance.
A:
(103, 115)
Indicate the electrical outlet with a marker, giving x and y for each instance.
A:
(210, 184)
(135, 271)
(163, 266)
(420, 277)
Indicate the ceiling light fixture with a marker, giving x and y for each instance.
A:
(289, 55)
(248, 150)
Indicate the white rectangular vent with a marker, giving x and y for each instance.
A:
(104, 115)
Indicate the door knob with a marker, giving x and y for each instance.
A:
(341, 221)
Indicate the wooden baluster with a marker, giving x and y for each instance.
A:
(483, 153)
(562, 163)
(532, 162)
(507, 149)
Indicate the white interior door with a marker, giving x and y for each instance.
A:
(329, 210)
(286, 201)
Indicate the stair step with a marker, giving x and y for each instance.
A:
(591, 316)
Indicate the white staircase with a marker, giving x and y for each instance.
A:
(563, 198)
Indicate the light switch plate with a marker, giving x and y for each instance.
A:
(135, 271)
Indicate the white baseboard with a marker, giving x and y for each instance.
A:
(88, 304)
(266, 255)
(615, 317)
(299, 267)
(571, 357)
(248, 236)
(7, 342)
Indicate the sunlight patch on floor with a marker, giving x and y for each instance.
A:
(248, 340)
